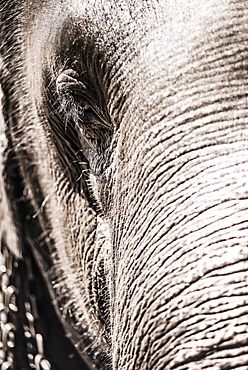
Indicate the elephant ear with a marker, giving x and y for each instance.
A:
(8, 232)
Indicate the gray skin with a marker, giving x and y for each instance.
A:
(129, 121)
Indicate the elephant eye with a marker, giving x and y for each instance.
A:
(83, 106)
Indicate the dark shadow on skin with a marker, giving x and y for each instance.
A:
(57, 347)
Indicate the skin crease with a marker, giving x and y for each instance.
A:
(146, 258)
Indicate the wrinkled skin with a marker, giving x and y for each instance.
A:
(129, 122)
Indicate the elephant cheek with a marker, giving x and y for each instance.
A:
(180, 241)
(182, 261)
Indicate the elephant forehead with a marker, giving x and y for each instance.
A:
(148, 31)
(112, 21)
(155, 36)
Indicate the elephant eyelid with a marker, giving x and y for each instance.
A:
(68, 82)
(69, 87)
(81, 107)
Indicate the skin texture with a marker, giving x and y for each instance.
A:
(128, 122)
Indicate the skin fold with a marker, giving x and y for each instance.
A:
(127, 122)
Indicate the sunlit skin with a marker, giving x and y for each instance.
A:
(128, 120)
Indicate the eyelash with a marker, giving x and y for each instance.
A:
(78, 105)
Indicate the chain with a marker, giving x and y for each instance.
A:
(7, 309)
(34, 340)
(9, 314)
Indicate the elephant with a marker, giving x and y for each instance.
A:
(124, 183)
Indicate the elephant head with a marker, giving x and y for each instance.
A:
(127, 123)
